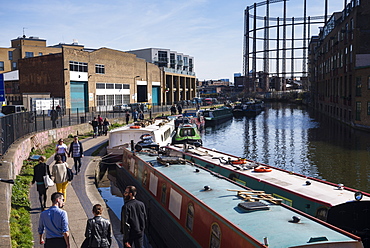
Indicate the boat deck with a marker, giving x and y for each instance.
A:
(318, 190)
(275, 223)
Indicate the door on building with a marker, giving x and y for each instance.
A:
(142, 95)
(79, 97)
(156, 97)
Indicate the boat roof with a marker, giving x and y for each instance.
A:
(153, 127)
(319, 190)
(275, 223)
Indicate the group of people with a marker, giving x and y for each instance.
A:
(53, 226)
(135, 115)
(174, 108)
(100, 126)
(58, 170)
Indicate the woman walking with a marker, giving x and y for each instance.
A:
(61, 149)
(39, 171)
(105, 126)
(98, 230)
(59, 173)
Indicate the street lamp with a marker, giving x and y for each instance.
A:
(135, 97)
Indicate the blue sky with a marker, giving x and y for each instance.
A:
(210, 30)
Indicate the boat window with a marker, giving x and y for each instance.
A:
(190, 217)
(215, 236)
(187, 132)
(164, 192)
(145, 176)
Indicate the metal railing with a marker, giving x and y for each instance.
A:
(15, 126)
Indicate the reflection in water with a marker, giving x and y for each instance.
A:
(290, 137)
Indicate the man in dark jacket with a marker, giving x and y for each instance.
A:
(133, 219)
(77, 153)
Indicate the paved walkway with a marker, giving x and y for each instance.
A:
(82, 194)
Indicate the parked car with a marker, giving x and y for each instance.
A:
(121, 108)
(11, 109)
(137, 106)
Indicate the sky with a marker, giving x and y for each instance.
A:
(209, 30)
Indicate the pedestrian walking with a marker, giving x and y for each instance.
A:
(53, 117)
(179, 109)
(39, 171)
(94, 123)
(100, 125)
(127, 115)
(141, 116)
(98, 230)
(133, 219)
(53, 224)
(61, 149)
(77, 152)
(105, 126)
(173, 109)
(134, 115)
(59, 173)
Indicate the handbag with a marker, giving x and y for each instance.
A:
(47, 180)
(69, 173)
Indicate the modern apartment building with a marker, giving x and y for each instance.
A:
(339, 66)
(178, 68)
(86, 77)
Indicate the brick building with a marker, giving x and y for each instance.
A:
(339, 66)
(92, 77)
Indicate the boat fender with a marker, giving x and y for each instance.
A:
(135, 127)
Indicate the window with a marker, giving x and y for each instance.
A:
(110, 99)
(118, 99)
(358, 111)
(10, 55)
(215, 241)
(126, 99)
(109, 86)
(358, 86)
(101, 100)
(368, 108)
(29, 54)
(100, 86)
(100, 69)
(164, 192)
(125, 86)
(368, 82)
(14, 65)
(190, 217)
(77, 66)
(118, 86)
(40, 54)
(2, 66)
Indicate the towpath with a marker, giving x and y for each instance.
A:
(82, 194)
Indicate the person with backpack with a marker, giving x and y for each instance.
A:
(77, 152)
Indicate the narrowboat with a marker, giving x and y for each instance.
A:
(161, 131)
(196, 117)
(215, 116)
(337, 204)
(249, 108)
(190, 206)
(187, 134)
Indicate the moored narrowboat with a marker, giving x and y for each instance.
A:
(341, 206)
(190, 206)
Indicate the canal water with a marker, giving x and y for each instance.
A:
(288, 136)
(292, 137)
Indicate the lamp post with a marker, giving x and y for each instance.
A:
(135, 97)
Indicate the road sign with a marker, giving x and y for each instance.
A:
(2, 88)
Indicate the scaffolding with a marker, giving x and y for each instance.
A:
(266, 39)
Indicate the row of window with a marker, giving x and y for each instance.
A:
(2, 66)
(82, 67)
(112, 86)
(111, 100)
